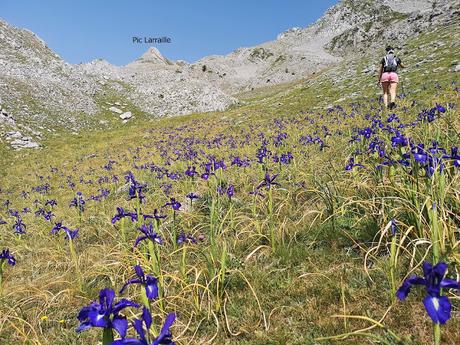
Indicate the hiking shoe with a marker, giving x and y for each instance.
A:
(392, 105)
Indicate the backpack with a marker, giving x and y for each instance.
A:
(390, 63)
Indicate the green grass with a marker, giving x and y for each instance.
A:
(326, 260)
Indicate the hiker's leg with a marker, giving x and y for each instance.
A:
(385, 86)
(393, 87)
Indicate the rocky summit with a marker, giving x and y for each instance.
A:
(41, 93)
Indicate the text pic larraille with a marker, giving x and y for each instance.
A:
(150, 40)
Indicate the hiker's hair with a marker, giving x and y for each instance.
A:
(389, 48)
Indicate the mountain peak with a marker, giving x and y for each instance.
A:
(153, 55)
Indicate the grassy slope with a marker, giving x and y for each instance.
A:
(316, 264)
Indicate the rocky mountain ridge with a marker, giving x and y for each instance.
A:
(41, 92)
(350, 27)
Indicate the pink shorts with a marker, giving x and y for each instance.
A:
(390, 77)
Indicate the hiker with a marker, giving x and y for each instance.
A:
(388, 76)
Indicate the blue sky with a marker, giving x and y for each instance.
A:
(84, 30)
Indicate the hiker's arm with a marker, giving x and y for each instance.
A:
(380, 74)
(402, 65)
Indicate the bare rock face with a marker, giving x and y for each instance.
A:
(405, 6)
(345, 29)
(152, 56)
(33, 79)
(12, 132)
(116, 110)
(24, 143)
(126, 116)
(162, 87)
(39, 87)
(19, 141)
(389, 21)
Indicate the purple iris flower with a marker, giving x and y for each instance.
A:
(393, 117)
(174, 204)
(48, 215)
(149, 234)
(366, 132)
(40, 212)
(435, 149)
(109, 165)
(183, 238)
(438, 307)
(13, 213)
(149, 282)
(121, 213)
(286, 158)
(104, 192)
(440, 108)
(308, 139)
(78, 202)
(434, 163)
(453, 155)
(399, 140)
(191, 171)
(19, 227)
(239, 162)
(105, 314)
(157, 215)
(41, 189)
(69, 234)
(268, 181)
(208, 170)
(428, 115)
(219, 165)
(351, 164)
(278, 140)
(103, 179)
(420, 155)
(135, 189)
(56, 228)
(2, 222)
(130, 177)
(192, 196)
(164, 338)
(262, 153)
(205, 176)
(173, 176)
(230, 191)
(394, 227)
(5, 255)
(51, 203)
(321, 143)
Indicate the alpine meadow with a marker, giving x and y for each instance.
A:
(263, 197)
